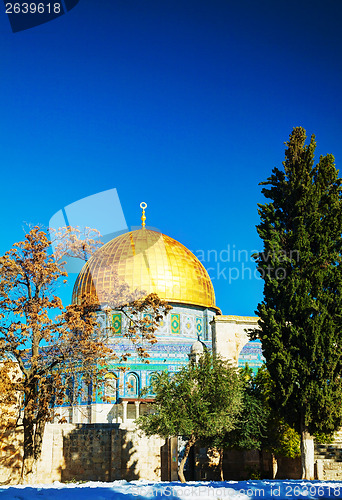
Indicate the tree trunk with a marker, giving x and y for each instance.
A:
(221, 451)
(27, 471)
(261, 463)
(274, 466)
(307, 454)
(33, 440)
(38, 438)
(190, 443)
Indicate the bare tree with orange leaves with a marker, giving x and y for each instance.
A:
(50, 342)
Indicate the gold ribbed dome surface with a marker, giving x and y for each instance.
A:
(150, 261)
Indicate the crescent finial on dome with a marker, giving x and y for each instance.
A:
(143, 205)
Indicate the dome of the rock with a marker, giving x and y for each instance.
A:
(151, 262)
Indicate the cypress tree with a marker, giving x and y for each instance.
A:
(301, 312)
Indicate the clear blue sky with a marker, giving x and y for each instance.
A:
(183, 104)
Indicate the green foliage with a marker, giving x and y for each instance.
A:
(301, 313)
(201, 400)
(289, 441)
(279, 438)
(321, 437)
(250, 430)
(258, 425)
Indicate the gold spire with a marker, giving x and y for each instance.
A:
(143, 205)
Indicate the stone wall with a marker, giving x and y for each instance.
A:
(11, 441)
(99, 452)
(229, 335)
(328, 458)
(107, 452)
(91, 452)
(240, 465)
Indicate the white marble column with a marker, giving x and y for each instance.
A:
(124, 412)
(137, 413)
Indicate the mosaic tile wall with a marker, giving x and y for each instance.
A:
(182, 321)
(251, 354)
(176, 335)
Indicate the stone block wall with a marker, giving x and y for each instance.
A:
(85, 452)
(98, 452)
(328, 459)
(108, 452)
(11, 441)
(229, 334)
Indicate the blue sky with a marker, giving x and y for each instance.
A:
(182, 104)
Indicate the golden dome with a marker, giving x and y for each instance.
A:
(150, 261)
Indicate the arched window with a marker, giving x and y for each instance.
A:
(153, 377)
(110, 386)
(132, 385)
(84, 391)
(70, 391)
